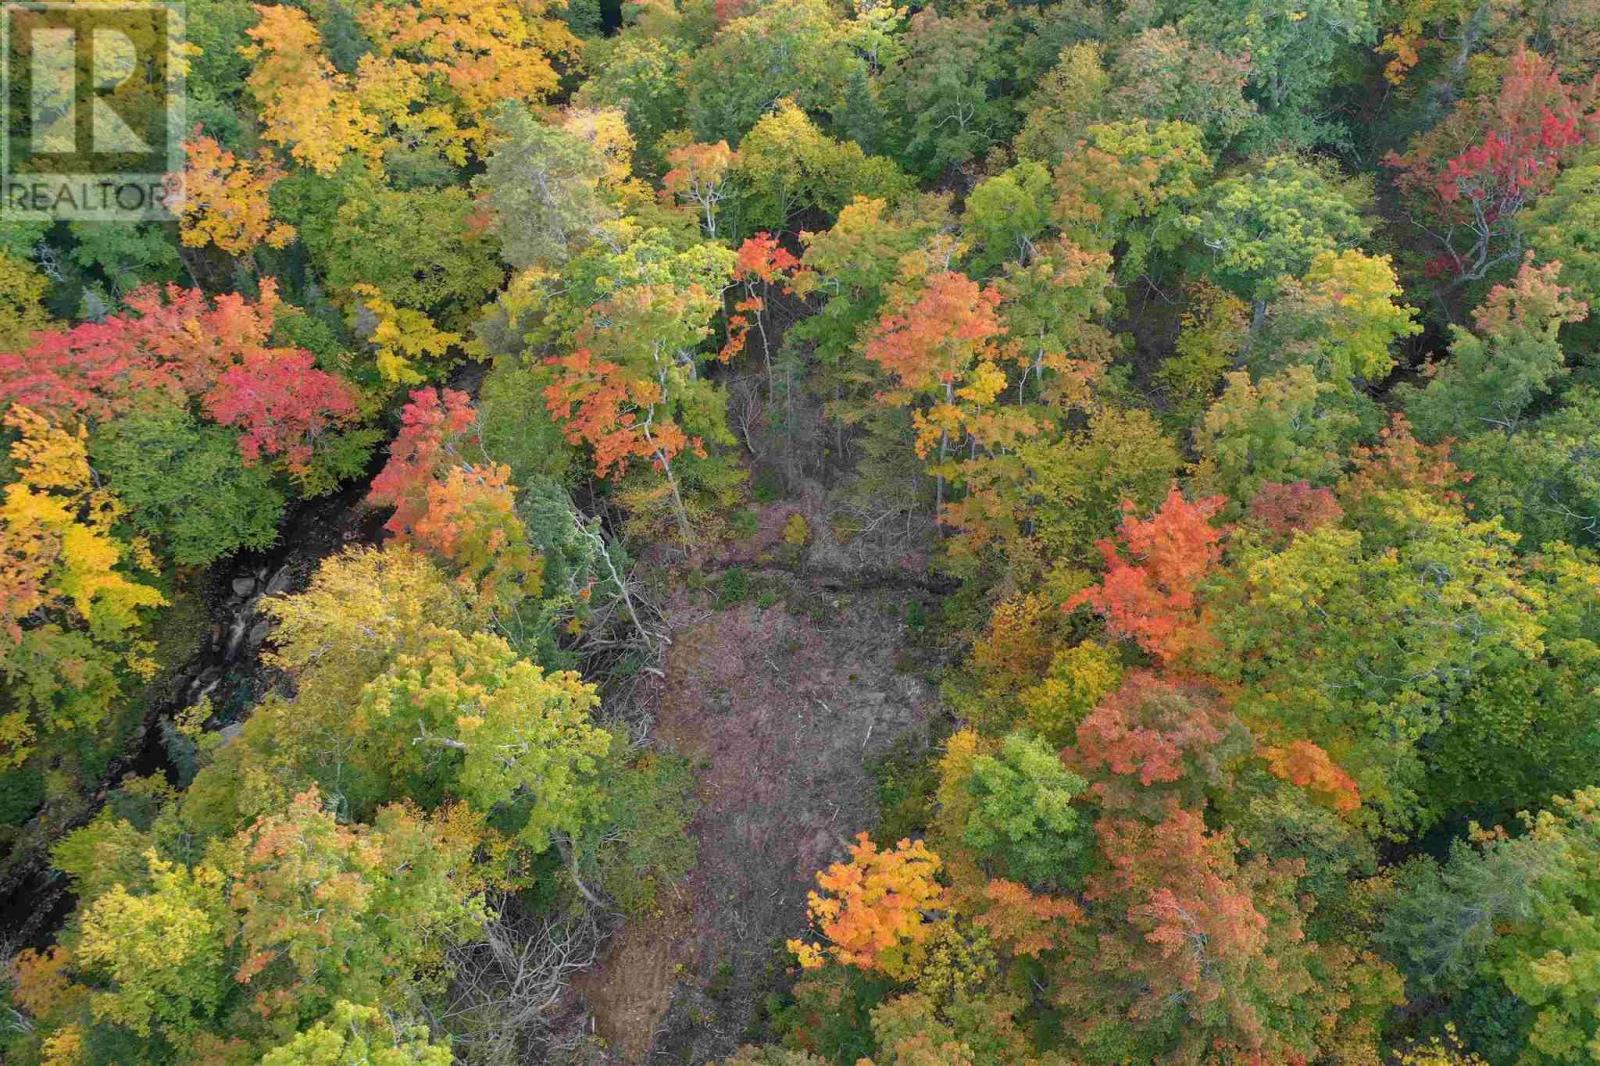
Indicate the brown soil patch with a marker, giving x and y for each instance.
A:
(629, 990)
(780, 708)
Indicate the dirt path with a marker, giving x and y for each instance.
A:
(780, 708)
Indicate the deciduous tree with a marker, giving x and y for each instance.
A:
(1156, 740)
(327, 912)
(1022, 816)
(437, 429)
(699, 177)
(786, 164)
(71, 604)
(353, 1035)
(307, 106)
(1130, 183)
(1205, 958)
(162, 954)
(1343, 318)
(473, 720)
(282, 405)
(475, 56)
(175, 342)
(1006, 214)
(1149, 590)
(225, 200)
(1472, 175)
(873, 909)
(1511, 357)
(946, 91)
(1259, 229)
(1067, 101)
(1161, 75)
(1289, 426)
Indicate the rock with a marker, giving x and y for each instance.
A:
(243, 586)
(258, 634)
(278, 582)
(201, 686)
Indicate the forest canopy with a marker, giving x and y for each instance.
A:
(1209, 389)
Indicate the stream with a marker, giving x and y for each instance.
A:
(35, 899)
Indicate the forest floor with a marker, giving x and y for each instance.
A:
(783, 700)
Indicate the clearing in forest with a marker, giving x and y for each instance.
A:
(782, 708)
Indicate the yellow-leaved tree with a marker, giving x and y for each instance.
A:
(69, 610)
(225, 200)
(307, 106)
(475, 54)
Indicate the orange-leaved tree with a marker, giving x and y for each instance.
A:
(452, 501)
(939, 336)
(1148, 593)
(762, 264)
(874, 909)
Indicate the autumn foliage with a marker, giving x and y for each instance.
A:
(614, 412)
(225, 200)
(936, 337)
(173, 341)
(873, 910)
(308, 107)
(1285, 509)
(1153, 572)
(186, 346)
(1190, 453)
(1303, 763)
(71, 601)
(434, 427)
(1481, 166)
(475, 55)
(699, 176)
(1026, 922)
(762, 263)
(1155, 736)
(1198, 940)
(450, 501)
(282, 404)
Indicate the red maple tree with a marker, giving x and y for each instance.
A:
(1148, 592)
(1196, 933)
(1473, 173)
(1281, 510)
(281, 404)
(180, 343)
(434, 426)
(1153, 739)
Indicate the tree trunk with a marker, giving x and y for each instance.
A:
(679, 511)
